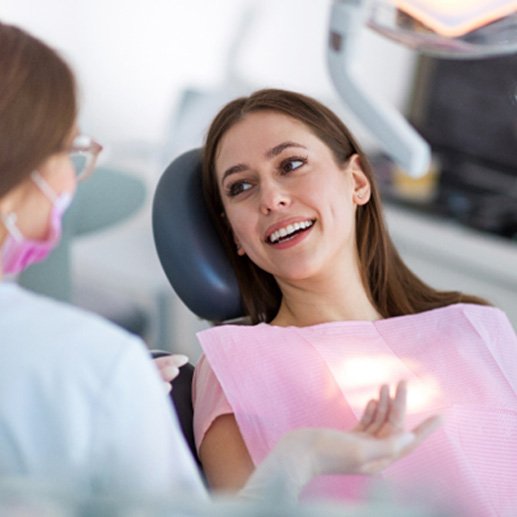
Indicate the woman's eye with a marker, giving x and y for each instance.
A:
(238, 187)
(292, 164)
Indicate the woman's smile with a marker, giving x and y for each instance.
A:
(287, 230)
(282, 189)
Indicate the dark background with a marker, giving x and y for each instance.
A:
(467, 111)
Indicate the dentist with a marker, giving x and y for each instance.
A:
(81, 404)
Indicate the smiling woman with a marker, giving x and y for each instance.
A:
(336, 312)
(289, 200)
(296, 151)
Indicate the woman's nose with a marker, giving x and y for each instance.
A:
(273, 197)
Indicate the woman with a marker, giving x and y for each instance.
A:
(336, 311)
(81, 404)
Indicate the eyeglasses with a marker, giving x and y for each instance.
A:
(83, 153)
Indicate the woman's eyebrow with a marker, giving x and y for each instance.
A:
(275, 151)
(240, 167)
(271, 153)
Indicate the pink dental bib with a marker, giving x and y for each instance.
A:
(460, 361)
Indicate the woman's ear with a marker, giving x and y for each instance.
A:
(362, 189)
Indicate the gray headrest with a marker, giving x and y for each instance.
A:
(188, 246)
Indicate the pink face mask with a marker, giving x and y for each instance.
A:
(18, 252)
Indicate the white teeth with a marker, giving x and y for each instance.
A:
(288, 230)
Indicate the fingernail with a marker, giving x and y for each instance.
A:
(171, 371)
(179, 359)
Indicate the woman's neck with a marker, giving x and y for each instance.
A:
(334, 298)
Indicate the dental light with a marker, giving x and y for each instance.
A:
(462, 29)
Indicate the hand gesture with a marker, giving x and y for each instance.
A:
(168, 366)
(379, 439)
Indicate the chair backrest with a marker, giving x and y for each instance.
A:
(194, 261)
(181, 398)
(189, 249)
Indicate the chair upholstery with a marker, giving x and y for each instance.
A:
(181, 397)
(187, 244)
(194, 262)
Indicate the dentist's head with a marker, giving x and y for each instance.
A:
(38, 105)
(38, 136)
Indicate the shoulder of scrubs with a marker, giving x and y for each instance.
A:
(82, 404)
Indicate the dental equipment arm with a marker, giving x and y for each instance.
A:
(393, 133)
(459, 29)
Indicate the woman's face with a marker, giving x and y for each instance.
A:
(290, 205)
(31, 206)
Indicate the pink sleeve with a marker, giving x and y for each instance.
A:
(208, 399)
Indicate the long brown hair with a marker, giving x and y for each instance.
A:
(391, 286)
(38, 105)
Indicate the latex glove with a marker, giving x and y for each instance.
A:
(377, 441)
(168, 366)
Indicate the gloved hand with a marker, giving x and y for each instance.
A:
(377, 441)
(168, 365)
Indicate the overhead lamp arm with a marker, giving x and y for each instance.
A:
(392, 131)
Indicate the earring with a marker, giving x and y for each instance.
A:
(361, 197)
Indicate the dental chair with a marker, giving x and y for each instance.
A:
(194, 262)
(187, 244)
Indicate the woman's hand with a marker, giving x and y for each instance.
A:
(378, 440)
(168, 366)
